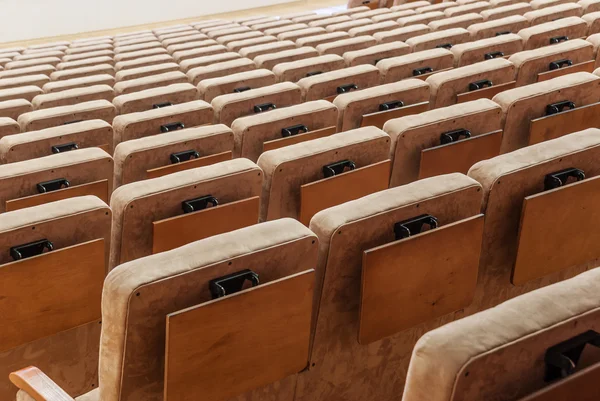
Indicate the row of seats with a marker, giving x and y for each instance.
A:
(384, 213)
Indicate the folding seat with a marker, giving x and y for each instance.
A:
(255, 134)
(191, 46)
(235, 83)
(593, 21)
(90, 48)
(155, 98)
(340, 47)
(553, 13)
(83, 56)
(372, 29)
(540, 4)
(254, 51)
(307, 19)
(376, 53)
(589, 6)
(317, 40)
(272, 24)
(121, 36)
(503, 26)
(50, 44)
(183, 55)
(301, 33)
(225, 40)
(436, 7)
(444, 39)
(420, 64)
(141, 72)
(159, 155)
(269, 61)
(486, 49)
(73, 96)
(553, 61)
(442, 141)
(401, 34)
(3, 61)
(18, 49)
(371, 13)
(27, 92)
(329, 85)
(197, 36)
(354, 7)
(45, 69)
(229, 31)
(221, 27)
(304, 178)
(209, 23)
(82, 72)
(152, 81)
(172, 29)
(234, 105)
(143, 62)
(14, 108)
(28, 80)
(250, 19)
(392, 16)
(424, 18)
(329, 21)
(33, 62)
(24, 57)
(10, 54)
(47, 252)
(181, 34)
(428, 274)
(161, 120)
(8, 126)
(59, 176)
(137, 47)
(60, 139)
(298, 14)
(285, 28)
(73, 83)
(462, 21)
(139, 54)
(506, 11)
(553, 328)
(136, 40)
(216, 70)
(553, 32)
(347, 25)
(55, 116)
(548, 109)
(475, 7)
(294, 71)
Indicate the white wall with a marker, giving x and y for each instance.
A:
(30, 19)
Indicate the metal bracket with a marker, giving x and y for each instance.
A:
(259, 108)
(561, 359)
(560, 178)
(422, 71)
(242, 89)
(30, 249)
(184, 156)
(555, 65)
(346, 88)
(444, 46)
(391, 105)
(558, 39)
(454, 136)
(337, 168)
(53, 185)
(559, 107)
(193, 205)
(161, 105)
(65, 147)
(232, 283)
(171, 127)
(294, 130)
(493, 55)
(312, 74)
(72, 122)
(484, 83)
(502, 33)
(407, 228)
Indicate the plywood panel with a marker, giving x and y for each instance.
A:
(49, 293)
(458, 157)
(380, 118)
(586, 66)
(556, 125)
(190, 164)
(420, 278)
(180, 230)
(581, 386)
(345, 187)
(228, 346)
(97, 188)
(291, 140)
(485, 93)
(559, 228)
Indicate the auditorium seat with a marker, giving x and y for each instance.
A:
(82, 72)
(194, 53)
(301, 33)
(315, 40)
(149, 82)
(506, 11)
(203, 61)
(27, 92)
(220, 69)
(340, 47)
(375, 53)
(143, 62)
(553, 13)
(8, 126)
(424, 18)
(420, 64)
(38, 80)
(490, 29)
(54, 116)
(75, 83)
(142, 72)
(328, 85)
(462, 21)
(267, 48)
(293, 71)
(73, 96)
(444, 39)
(45, 69)
(270, 60)
(486, 49)
(155, 98)
(401, 34)
(235, 83)
(553, 32)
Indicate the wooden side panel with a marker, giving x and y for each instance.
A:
(416, 279)
(458, 157)
(556, 125)
(586, 66)
(345, 187)
(582, 386)
(485, 93)
(97, 188)
(292, 140)
(190, 164)
(380, 118)
(50, 293)
(180, 230)
(559, 228)
(228, 346)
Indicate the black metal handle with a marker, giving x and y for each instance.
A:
(30, 249)
(293, 130)
(312, 74)
(53, 185)
(184, 156)
(502, 33)
(66, 147)
(444, 46)
(336, 168)
(484, 83)
(561, 359)
(241, 89)
(193, 205)
(396, 104)
(558, 39)
(422, 71)
(171, 127)
(555, 65)
(560, 178)
(346, 88)
(232, 283)
(407, 228)
(454, 136)
(379, 59)
(259, 108)
(493, 55)
(559, 107)
(161, 105)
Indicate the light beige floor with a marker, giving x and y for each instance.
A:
(280, 9)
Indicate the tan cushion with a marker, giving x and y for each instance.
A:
(490, 29)
(541, 35)
(34, 144)
(462, 21)
(414, 133)
(436, 7)
(166, 42)
(285, 28)
(340, 47)
(84, 82)
(27, 92)
(286, 169)
(549, 14)
(432, 40)
(82, 72)
(45, 69)
(14, 108)
(474, 52)
(401, 34)
(301, 33)
(269, 61)
(521, 105)
(530, 63)
(329, 21)
(220, 69)
(541, 4)
(146, 99)
(27, 80)
(393, 16)
(376, 53)
(68, 65)
(424, 18)
(476, 7)
(33, 62)
(593, 21)
(506, 11)
(8, 126)
(191, 46)
(135, 157)
(137, 47)
(317, 40)
(327, 84)
(73, 96)
(90, 48)
(152, 81)
(228, 31)
(347, 25)
(83, 56)
(271, 24)
(589, 6)
(146, 123)
(252, 131)
(402, 67)
(145, 71)
(369, 30)
(269, 48)
(237, 45)
(40, 119)
(409, 6)
(204, 61)
(139, 54)
(295, 70)
(213, 87)
(183, 55)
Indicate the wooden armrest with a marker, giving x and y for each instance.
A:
(39, 386)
